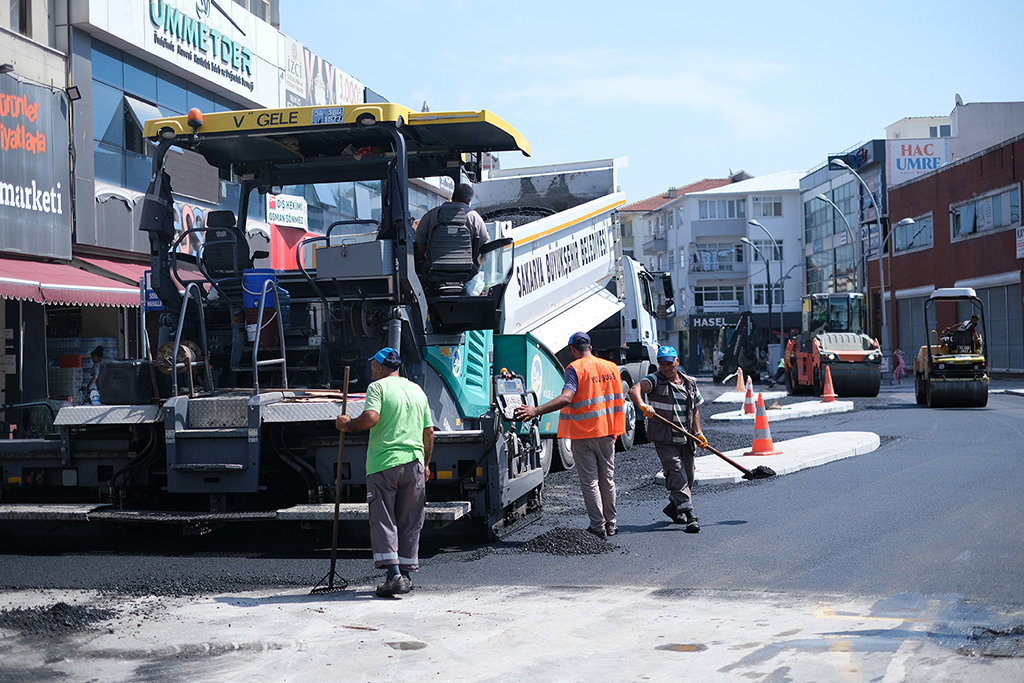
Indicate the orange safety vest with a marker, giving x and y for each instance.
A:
(598, 407)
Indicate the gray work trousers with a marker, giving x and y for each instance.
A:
(396, 497)
(595, 466)
(677, 466)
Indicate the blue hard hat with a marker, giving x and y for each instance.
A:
(667, 353)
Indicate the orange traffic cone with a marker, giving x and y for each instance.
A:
(739, 379)
(748, 401)
(762, 434)
(829, 394)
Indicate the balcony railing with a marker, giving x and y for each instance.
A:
(655, 244)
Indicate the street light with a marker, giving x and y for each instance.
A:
(782, 303)
(878, 222)
(849, 231)
(768, 286)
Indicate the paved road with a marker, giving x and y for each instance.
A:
(888, 566)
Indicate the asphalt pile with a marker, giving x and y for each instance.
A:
(564, 541)
(57, 619)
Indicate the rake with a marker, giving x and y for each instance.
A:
(759, 472)
(328, 583)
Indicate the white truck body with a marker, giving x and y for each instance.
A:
(569, 273)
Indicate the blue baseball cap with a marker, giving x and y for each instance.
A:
(667, 353)
(388, 357)
(579, 339)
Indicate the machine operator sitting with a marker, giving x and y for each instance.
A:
(454, 214)
(966, 326)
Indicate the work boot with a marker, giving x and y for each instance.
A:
(686, 517)
(408, 578)
(600, 533)
(671, 512)
(611, 529)
(398, 585)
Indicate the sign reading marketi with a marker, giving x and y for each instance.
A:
(34, 169)
(203, 33)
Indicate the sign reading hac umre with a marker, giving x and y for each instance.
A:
(35, 169)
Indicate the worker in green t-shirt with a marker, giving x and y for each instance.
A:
(397, 459)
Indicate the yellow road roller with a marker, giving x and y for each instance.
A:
(951, 371)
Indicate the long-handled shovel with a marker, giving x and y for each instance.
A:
(342, 583)
(759, 472)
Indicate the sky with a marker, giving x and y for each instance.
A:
(685, 90)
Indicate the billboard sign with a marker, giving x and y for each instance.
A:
(35, 169)
(909, 158)
(310, 80)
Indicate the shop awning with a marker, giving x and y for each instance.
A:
(123, 270)
(57, 283)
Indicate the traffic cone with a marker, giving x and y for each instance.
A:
(762, 434)
(829, 394)
(748, 401)
(739, 379)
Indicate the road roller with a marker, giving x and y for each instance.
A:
(951, 371)
(832, 337)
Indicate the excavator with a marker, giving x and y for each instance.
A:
(832, 337)
(951, 371)
(744, 346)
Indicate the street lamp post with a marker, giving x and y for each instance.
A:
(881, 242)
(849, 231)
(782, 333)
(768, 283)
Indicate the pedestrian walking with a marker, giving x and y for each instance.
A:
(397, 468)
(593, 413)
(899, 369)
(675, 397)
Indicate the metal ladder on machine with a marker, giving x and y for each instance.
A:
(282, 360)
(190, 362)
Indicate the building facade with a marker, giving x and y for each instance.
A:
(845, 234)
(972, 207)
(656, 227)
(79, 81)
(698, 237)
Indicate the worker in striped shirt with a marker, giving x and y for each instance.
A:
(675, 397)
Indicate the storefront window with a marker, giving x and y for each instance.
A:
(171, 94)
(108, 114)
(107, 65)
(140, 78)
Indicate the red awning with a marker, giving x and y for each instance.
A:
(56, 283)
(122, 269)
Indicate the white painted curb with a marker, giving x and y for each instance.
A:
(797, 454)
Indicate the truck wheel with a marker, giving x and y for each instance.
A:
(919, 390)
(563, 460)
(547, 453)
(625, 441)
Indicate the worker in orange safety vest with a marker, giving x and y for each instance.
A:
(593, 414)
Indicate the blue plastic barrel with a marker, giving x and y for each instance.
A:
(252, 285)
